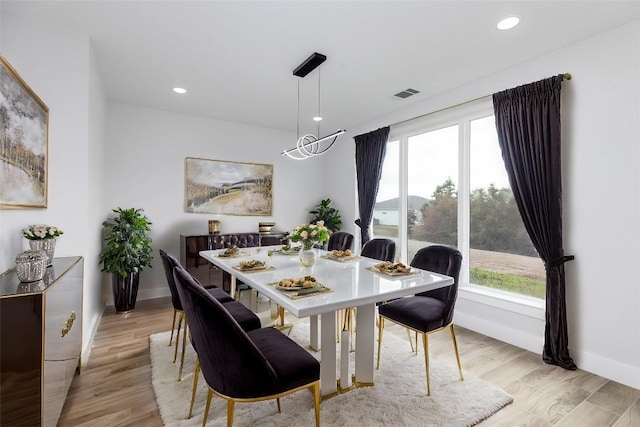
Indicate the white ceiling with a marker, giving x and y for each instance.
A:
(236, 58)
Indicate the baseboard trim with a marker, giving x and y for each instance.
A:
(607, 368)
(143, 294)
(500, 332)
(86, 352)
(154, 293)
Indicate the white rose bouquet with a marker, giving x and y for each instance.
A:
(309, 234)
(41, 232)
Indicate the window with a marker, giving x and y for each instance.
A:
(446, 174)
(432, 205)
(386, 212)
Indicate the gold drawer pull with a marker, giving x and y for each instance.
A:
(69, 324)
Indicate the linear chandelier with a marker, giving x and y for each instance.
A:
(310, 145)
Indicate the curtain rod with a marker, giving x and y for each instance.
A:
(565, 77)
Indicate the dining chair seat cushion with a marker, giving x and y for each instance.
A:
(420, 313)
(293, 365)
(246, 318)
(220, 295)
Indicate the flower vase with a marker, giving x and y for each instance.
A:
(46, 245)
(307, 256)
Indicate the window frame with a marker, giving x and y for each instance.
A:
(461, 115)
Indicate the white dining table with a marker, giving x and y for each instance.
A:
(352, 283)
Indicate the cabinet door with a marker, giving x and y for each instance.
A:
(63, 340)
(191, 260)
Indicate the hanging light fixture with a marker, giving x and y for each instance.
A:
(310, 145)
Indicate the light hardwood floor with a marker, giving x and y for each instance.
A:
(115, 389)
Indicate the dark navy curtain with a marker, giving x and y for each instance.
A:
(370, 150)
(528, 125)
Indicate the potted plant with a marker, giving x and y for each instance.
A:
(126, 251)
(330, 216)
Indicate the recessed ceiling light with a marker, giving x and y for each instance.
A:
(508, 23)
(179, 90)
(317, 118)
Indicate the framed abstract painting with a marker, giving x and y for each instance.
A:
(228, 188)
(23, 143)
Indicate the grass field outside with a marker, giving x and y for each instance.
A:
(507, 282)
(519, 274)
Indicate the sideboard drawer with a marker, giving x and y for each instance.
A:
(40, 343)
(62, 323)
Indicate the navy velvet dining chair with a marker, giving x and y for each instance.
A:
(340, 241)
(241, 366)
(247, 319)
(380, 249)
(430, 311)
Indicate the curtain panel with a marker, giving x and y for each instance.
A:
(370, 151)
(528, 125)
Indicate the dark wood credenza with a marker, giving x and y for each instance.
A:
(208, 274)
(40, 342)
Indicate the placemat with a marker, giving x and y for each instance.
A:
(316, 290)
(394, 274)
(238, 255)
(341, 259)
(255, 270)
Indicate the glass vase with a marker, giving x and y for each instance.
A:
(46, 245)
(307, 256)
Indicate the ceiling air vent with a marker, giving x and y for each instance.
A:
(406, 93)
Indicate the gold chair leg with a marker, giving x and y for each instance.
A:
(278, 402)
(416, 343)
(455, 347)
(175, 352)
(173, 326)
(425, 345)
(196, 373)
(380, 329)
(316, 401)
(411, 341)
(206, 408)
(184, 345)
(230, 409)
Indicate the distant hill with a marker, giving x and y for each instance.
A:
(415, 202)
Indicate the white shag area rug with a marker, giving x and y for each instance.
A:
(397, 399)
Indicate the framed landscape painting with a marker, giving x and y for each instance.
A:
(23, 143)
(227, 188)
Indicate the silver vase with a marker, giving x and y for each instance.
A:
(46, 245)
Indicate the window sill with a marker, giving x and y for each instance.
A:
(521, 304)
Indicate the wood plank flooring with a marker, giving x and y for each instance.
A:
(115, 389)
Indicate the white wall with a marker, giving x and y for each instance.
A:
(56, 65)
(601, 159)
(145, 156)
(93, 300)
(141, 160)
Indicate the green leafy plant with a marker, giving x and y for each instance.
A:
(127, 245)
(309, 234)
(330, 216)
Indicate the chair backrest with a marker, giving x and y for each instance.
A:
(443, 260)
(381, 249)
(231, 363)
(340, 241)
(169, 263)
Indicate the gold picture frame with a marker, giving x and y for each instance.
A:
(228, 188)
(24, 133)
